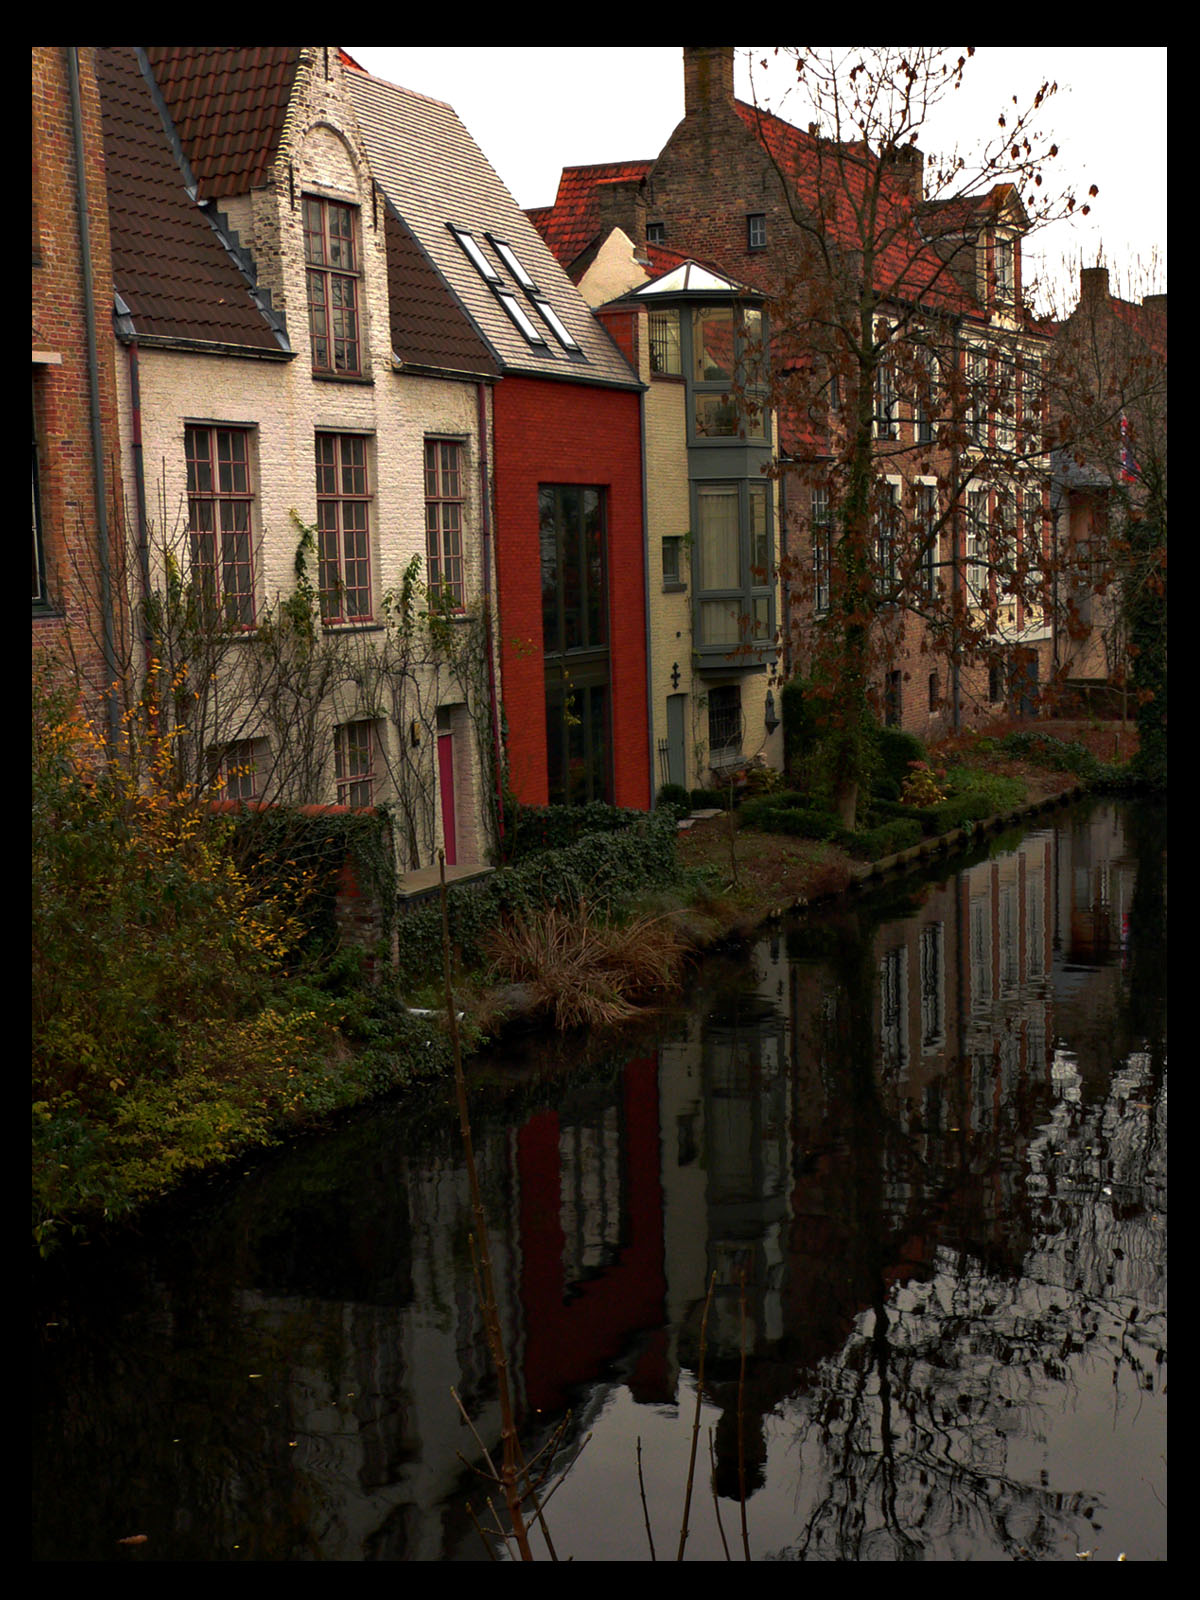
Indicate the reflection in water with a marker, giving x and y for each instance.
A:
(920, 1146)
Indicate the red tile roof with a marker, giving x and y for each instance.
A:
(908, 266)
(574, 220)
(228, 106)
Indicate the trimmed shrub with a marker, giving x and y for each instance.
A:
(532, 829)
(599, 869)
(897, 751)
(873, 844)
(674, 794)
(710, 799)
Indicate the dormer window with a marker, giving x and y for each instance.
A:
(511, 261)
(556, 324)
(474, 253)
(517, 312)
(1003, 265)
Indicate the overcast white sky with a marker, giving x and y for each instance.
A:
(534, 110)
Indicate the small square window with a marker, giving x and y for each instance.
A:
(756, 231)
(656, 233)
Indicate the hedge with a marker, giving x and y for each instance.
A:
(599, 868)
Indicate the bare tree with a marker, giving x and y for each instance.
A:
(1107, 384)
(908, 379)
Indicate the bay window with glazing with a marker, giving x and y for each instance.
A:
(727, 373)
(732, 570)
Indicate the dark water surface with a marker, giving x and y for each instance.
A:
(918, 1145)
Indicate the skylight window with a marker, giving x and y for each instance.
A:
(509, 258)
(566, 339)
(475, 255)
(517, 312)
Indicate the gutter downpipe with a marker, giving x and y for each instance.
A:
(89, 309)
(646, 589)
(139, 478)
(493, 699)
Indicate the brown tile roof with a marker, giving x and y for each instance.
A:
(169, 264)
(429, 327)
(228, 106)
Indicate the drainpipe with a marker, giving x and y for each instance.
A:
(646, 585)
(89, 310)
(139, 478)
(486, 502)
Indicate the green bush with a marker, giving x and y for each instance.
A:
(674, 794)
(790, 813)
(873, 844)
(599, 868)
(897, 751)
(531, 829)
(710, 799)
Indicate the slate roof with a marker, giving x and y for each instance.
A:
(429, 328)
(435, 174)
(228, 106)
(170, 266)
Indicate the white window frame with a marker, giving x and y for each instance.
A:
(977, 531)
(931, 561)
(473, 250)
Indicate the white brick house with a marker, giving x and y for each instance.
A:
(291, 361)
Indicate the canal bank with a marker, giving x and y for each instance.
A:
(917, 1145)
(385, 1043)
(765, 876)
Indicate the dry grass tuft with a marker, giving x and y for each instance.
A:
(585, 972)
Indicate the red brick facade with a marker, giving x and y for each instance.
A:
(75, 508)
(561, 433)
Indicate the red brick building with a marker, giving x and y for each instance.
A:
(77, 545)
(960, 502)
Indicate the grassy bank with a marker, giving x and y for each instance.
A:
(755, 873)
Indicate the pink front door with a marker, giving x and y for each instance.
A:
(446, 779)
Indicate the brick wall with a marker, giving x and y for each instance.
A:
(62, 407)
(547, 432)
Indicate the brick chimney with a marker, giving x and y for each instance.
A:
(707, 79)
(1093, 284)
(1156, 303)
(908, 163)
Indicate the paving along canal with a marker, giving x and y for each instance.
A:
(917, 1144)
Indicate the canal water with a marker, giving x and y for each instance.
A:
(895, 1177)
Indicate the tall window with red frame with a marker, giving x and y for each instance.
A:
(443, 521)
(343, 527)
(220, 522)
(331, 259)
(354, 763)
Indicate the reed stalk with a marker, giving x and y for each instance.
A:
(687, 1500)
(512, 1466)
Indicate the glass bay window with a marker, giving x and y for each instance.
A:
(733, 566)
